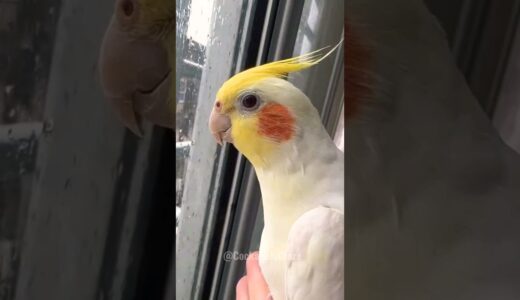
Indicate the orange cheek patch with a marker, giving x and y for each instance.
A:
(276, 122)
(357, 82)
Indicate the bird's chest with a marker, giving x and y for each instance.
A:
(272, 260)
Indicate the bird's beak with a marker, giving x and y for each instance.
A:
(124, 108)
(220, 126)
(154, 106)
(136, 78)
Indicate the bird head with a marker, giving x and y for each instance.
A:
(261, 113)
(134, 62)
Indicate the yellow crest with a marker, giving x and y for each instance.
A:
(278, 69)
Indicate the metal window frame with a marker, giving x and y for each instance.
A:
(483, 36)
(481, 42)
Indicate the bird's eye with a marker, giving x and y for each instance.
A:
(128, 8)
(249, 102)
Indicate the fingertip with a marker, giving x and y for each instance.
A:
(242, 289)
(252, 262)
(256, 283)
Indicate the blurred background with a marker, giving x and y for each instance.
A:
(86, 208)
(485, 39)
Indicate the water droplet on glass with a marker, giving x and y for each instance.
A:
(120, 168)
(9, 89)
(48, 126)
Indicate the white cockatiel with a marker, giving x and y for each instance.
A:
(300, 171)
(433, 193)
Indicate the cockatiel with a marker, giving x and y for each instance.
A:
(433, 193)
(300, 170)
(136, 62)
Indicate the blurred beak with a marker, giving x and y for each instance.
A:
(220, 126)
(136, 78)
(154, 106)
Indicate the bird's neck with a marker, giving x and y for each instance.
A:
(289, 184)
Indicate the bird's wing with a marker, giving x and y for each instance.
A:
(315, 256)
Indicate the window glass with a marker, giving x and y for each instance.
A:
(193, 33)
(209, 39)
(24, 73)
(320, 26)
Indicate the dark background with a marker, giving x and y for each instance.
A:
(86, 208)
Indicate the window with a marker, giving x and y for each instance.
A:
(210, 39)
(22, 101)
(321, 25)
(485, 40)
(83, 212)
